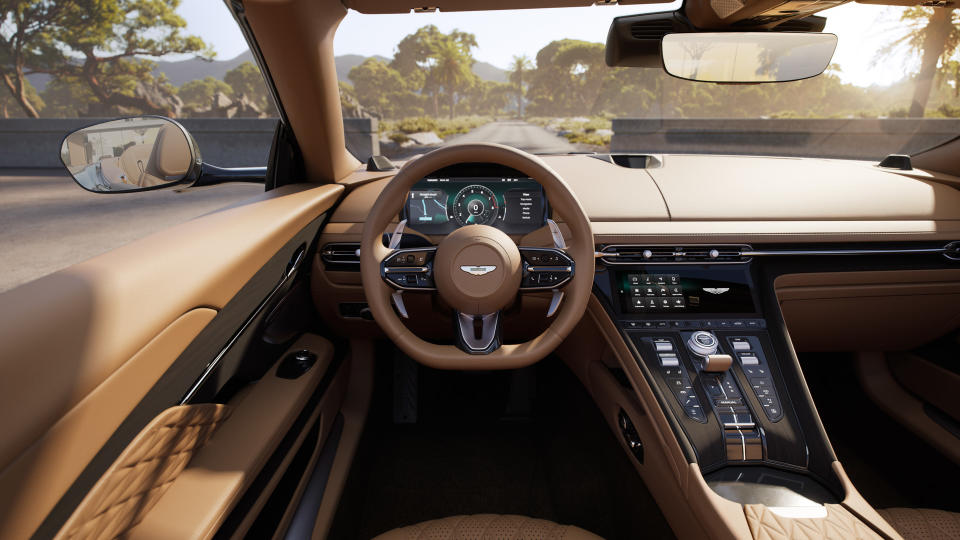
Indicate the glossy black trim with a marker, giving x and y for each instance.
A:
(286, 446)
(211, 175)
(304, 518)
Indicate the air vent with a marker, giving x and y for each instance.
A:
(341, 256)
(639, 254)
(651, 29)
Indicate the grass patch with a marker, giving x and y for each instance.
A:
(397, 130)
(593, 131)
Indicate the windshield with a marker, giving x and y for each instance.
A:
(537, 80)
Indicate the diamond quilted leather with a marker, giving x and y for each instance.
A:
(137, 479)
(839, 524)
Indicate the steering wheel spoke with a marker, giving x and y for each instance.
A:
(545, 269)
(409, 269)
(478, 334)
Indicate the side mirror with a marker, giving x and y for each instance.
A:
(131, 154)
(747, 57)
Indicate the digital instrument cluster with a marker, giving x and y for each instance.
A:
(442, 203)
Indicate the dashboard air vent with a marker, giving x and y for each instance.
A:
(341, 256)
(655, 29)
(640, 254)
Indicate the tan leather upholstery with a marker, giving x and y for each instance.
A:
(488, 526)
(171, 155)
(839, 523)
(143, 472)
(923, 523)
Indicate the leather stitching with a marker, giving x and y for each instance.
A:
(143, 472)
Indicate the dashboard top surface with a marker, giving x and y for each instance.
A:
(712, 198)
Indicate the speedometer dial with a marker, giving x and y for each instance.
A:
(475, 205)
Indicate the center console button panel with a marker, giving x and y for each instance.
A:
(675, 375)
(687, 357)
(750, 355)
(717, 355)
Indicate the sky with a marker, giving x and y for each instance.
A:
(862, 30)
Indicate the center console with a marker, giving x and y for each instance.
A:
(715, 358)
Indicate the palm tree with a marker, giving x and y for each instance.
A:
(520, 65)
(453, 68)
(934, 34)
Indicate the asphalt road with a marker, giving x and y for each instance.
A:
(533, 139)
(48, 223)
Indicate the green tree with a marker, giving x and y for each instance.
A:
(568, 78)
(521, 65)
(66, 98)
(246, 80)
(933, 34)
(452, 68)
(11, 107)
(419, 54)
(378, 87)
(27, 45)
(113, 41)
(104, 44)
(487, 98)
(198, 94)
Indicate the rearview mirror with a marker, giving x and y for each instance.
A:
(747, 57)
(131, 154)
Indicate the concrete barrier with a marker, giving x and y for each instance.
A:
(225, 142)
(870, 138)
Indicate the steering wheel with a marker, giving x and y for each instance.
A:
(477, 269)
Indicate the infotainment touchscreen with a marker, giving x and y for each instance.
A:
(439, 205)
(642, 292)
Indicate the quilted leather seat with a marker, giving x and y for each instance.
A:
(488, 526)
(923, 523)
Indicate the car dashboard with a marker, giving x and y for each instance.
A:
(740, 260)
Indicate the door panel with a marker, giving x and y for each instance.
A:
(200, 498)
(102, 335)
(33, 483)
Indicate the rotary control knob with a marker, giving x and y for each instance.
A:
(703, 343)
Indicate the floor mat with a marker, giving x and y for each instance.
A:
(477, 448)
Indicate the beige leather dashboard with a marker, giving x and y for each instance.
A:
(690, 199)
(699, 198)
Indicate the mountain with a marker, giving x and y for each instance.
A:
(195, 68)
(183, 71)
(490, 72)
(178, 72)
(347, 62)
